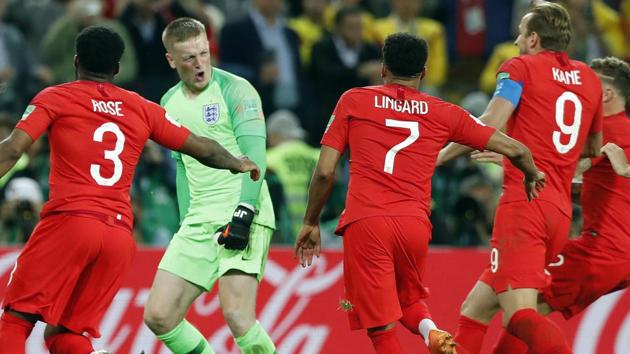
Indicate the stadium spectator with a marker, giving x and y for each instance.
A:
(57, 46)
(330, 17)
(23, 201)
(34, 18)
(310, 27)
(405, 18)
(262, 49)
(340, 62)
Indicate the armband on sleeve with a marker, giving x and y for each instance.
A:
(509, 90)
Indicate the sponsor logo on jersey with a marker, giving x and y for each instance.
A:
(502, 76)
(211, 113)
(29, 109)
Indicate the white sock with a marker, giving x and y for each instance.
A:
(425, 327)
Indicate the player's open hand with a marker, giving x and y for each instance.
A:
(534, 185)
(617, 158)
(487, 157)
(307, 244)
(248, 165)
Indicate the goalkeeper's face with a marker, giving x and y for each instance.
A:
(191, 59)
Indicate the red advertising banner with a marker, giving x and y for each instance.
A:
(300, 308)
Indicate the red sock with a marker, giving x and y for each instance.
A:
(469, 335)
(386, 342)
(540, 334)
(412, 315)
(508, 344)
(13, 333)
(69, 343)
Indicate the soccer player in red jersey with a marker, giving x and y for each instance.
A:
(581, 273)
(73, 263)
(394, 133)
(555, 108)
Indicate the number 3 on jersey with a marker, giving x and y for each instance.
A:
(414, 134)
(572, 130)
(112, 155)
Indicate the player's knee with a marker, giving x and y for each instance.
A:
(159, 320)
(238, 320)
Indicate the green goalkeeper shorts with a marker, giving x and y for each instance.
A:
(195, 255)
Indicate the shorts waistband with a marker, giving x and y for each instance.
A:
(107, 219)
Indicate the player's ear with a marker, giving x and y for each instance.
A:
(423, 73)
(171, 61)
(383, 70)
(117, 69)
(76, 61)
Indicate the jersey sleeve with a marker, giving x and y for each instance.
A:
(165, 130)
(245, 109)
(39, 114)
(336, 134)
(513, 69)
(468, 130)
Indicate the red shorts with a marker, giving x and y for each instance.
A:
(525, 238)
(583, 272)
(69, 271)
(384, 260)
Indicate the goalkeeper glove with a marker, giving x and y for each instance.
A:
(235, 234)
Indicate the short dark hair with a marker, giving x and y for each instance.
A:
(614, 71)
(99, 49)
(181, 30)
(346, 11)
(552, 23)
(405, 54)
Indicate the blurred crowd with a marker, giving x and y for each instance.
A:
(300, 55)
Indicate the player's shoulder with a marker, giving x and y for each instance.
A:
(168, 95)
(227, 79)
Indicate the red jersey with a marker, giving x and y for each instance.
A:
(559, 106)
(395, 134)
(606, 195)
(96, 133)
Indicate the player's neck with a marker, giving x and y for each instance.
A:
(613, 108)
(412, 83)
(90, 76)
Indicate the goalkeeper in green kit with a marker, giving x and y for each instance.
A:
(227, 220)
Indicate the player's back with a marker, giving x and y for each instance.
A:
(606, 195)
(394, 134)
(96, 133)
(559, 107)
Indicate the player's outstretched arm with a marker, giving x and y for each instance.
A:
(308, 241)
(212, 154)
(12, 148)
(496, 115)
(617, 158)
(521, 158)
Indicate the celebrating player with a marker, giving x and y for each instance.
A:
(225, 107)
(581, 273)
(73, 263)
(555, 105)
(394, 133)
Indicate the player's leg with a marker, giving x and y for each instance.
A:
(370, 282)
(477, 311)
(95, 289)
(519, 272)
(178, 282)
(411, 242)
(384, 339)
(15, 327)
(240, 274)
(44, 277)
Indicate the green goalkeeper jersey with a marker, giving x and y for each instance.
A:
(217, 113)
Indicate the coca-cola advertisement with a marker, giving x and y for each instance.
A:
(300, 308)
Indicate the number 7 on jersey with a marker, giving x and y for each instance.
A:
(414, 134)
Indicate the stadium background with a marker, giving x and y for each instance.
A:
(299, 73)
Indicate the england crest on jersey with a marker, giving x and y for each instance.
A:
(211, 113)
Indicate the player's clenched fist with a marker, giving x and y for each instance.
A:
(247, 165)
(235, 234)
(307, 244)
(617, 158)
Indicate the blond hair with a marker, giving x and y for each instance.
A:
(181, 30)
